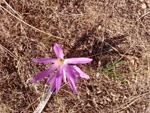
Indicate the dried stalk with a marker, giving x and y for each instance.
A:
(11, 8)
(29, 24)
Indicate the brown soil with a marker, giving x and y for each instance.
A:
(114, 33)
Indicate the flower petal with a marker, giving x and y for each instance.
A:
(44, 73)
(77, 60)
(58, 51)
(79, 72)
(63, 73)
(45, 60)
(72, 84)
(70, 72)
(58, 81)
(51, 79)
(53, 85)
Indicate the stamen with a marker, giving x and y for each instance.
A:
(60, 61)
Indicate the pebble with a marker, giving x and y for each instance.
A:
(99, 27)
(141, 0)
(143, 6)
(98, 74)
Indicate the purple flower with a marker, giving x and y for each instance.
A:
(64, 70)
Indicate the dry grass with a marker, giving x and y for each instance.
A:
(115, 33)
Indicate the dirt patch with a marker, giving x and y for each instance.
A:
(115, 34)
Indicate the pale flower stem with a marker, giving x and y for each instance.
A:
(44, 100)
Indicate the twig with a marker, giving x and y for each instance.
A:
(143, 16)
(122, 55)
(131, 102)
(9, 52)
(11, 8)
(29, 24)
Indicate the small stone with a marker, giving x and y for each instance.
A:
(141, 0)
(99, 27)
(98, 92)
(143, 6)
(97, 75)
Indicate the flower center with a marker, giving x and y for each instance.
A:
(60, 61)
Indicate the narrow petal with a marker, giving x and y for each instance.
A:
(79, 72)
(58, 81)
(63, 73)
(58, 51)
(77, 60)
(45, 60)
(44, 73)
(72, 84)
(51, 79)
(70, 72)
(53, 85)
